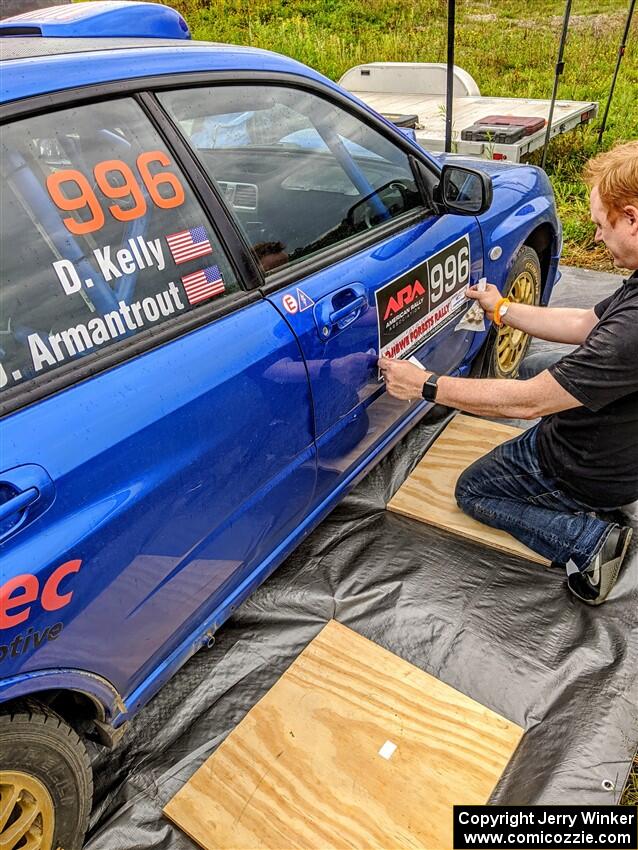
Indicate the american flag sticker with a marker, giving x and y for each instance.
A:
(189, 244)
(203, 284)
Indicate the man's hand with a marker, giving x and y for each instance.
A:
(402, 379)
(487, 299)
(555, 324)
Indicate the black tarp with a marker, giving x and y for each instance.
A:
(500, 629)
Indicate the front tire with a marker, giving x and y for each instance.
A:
(46, 784)
(523, 285)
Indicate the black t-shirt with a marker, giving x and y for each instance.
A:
(593, 450)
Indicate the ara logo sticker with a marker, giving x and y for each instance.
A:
(403, 297)
(305, 301)
(290, 304)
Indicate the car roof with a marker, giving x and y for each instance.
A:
(41, 65)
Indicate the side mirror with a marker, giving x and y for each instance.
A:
(465, 191)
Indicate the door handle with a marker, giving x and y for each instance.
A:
(25, 493)
(19, 502)
(347, 311)
(339, 309)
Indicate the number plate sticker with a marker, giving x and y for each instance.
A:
(116, 181)
(421, 302)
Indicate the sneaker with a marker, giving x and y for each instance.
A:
(593, 584)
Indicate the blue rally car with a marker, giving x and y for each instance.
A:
(204, 250)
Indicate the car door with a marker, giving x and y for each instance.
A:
(156, 444)
(354, 255)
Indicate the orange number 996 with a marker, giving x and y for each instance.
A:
(116, 181)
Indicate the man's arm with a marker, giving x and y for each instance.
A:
(555, 324)
(508, 399)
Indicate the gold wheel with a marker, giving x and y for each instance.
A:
(511, 344)
(27, 815)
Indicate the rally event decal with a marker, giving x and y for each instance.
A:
(421, 302)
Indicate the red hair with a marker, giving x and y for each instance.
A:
(615, 175)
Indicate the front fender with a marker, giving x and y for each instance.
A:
(522, 220)
(523, 203)
(515, 230)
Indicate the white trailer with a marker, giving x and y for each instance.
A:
(418, 88)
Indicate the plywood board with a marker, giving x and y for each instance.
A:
(428, 494)
(303, 769)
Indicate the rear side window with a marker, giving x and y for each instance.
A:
(299, 173)
(102, 239)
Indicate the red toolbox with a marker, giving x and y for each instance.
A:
(498, 134)
(531, 124)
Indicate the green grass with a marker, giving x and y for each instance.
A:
(509, 47)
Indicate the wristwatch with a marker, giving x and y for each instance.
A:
(502, 310)
(430, 388)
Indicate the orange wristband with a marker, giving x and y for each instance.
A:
(498, 321)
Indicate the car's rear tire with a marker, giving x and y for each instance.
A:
(523, 285)
(46, 784)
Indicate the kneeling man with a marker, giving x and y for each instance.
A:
(546, 486)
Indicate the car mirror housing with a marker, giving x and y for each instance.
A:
(465, 191)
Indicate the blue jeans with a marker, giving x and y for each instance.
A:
(507, 489)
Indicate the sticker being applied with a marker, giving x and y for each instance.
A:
(421, 302)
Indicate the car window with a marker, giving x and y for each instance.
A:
(299, 173)
(102, 238)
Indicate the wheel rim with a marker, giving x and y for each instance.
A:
(27, 814)
(511, 344)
